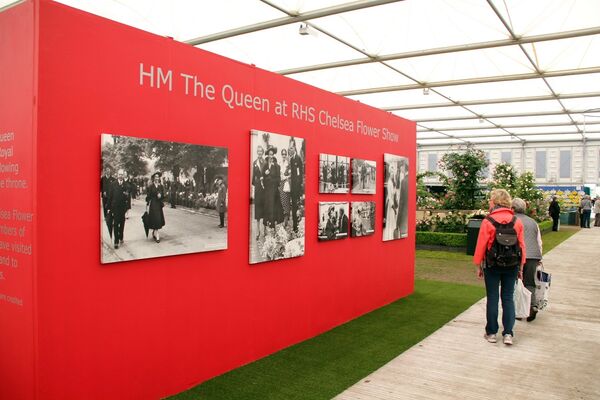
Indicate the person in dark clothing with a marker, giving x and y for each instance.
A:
(554, 211)
(118, 200)
(221, 200)
(271, 173)
(343, 222)
(155, 195)
(296, 183)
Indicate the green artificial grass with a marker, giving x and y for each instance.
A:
(326, 365)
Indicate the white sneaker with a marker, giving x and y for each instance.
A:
(508, 339)
(490, 338)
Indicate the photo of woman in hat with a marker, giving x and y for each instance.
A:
(276, 196)
(272, 212)
(154, 206)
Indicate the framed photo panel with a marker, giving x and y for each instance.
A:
(364, 173)
(363, 218)
(334, 174)
(395, 193)
(333, 220)
(276, 196)
(160, 198)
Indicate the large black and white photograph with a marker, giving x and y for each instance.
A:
(161, 198)
(276, 196)
(364, 173)
(395, 192)
(363, 218)
(334, 174)
(333, 220)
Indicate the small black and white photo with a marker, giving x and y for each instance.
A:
(395, 192)
(364, 173)
(363, 218)
(334, 174)
(161, 198)
(277, 192)
(333, 220)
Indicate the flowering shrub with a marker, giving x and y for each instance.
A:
(285, 243)
(453, 222)
(504, 177)
(465, 170)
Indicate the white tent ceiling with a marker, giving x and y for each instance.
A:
(496, 71)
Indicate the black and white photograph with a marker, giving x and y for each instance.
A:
(363, 218)
(395, 192)
(333, 220)
(161, 198)
(277, 183)
(364, 174)
(334, 174)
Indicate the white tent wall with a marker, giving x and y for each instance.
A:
(583, 161)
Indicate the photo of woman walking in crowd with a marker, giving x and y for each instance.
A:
(155, 195)
(190, 192)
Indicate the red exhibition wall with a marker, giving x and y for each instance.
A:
(154, 327)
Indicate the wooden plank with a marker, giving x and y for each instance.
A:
(555, 357)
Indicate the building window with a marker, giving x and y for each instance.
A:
(540, 164)
(486, 171)
(432, 162)
(506, 157)
(565, 164)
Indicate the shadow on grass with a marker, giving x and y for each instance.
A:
(326, 365)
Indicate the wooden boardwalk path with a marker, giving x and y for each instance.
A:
(555, 357)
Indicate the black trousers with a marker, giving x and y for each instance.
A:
(529, 276)
(555, 223)
(118, 227)
(222, 218)
(295, 200)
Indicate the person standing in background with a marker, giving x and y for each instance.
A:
(597, 212)
(221, 200)
(586, 211)
(554, 211)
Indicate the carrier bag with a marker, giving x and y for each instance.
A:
(522, 298)
(542, 281)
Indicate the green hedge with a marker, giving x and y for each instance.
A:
(545, 226)
(442, 239)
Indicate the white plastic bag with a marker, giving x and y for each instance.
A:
(522, 298)
(542, 287)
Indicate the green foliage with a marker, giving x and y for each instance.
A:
(545, 226)
(465, 169)
(442, 239)
(522, 186)
(426, 199)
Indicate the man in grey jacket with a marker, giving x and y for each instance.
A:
(586, 211)
(533, 250)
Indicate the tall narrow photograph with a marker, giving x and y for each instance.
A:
(364, 173)
(333, 220)
(161, 198)
(276, 196)
(395, 192)
(334, 174)
(363, 218)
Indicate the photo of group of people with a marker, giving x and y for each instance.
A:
(364, 173)
(333, 220)
(140, 177)
(395, 192)
(334, 174)
(277, 196)
(363, 218)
